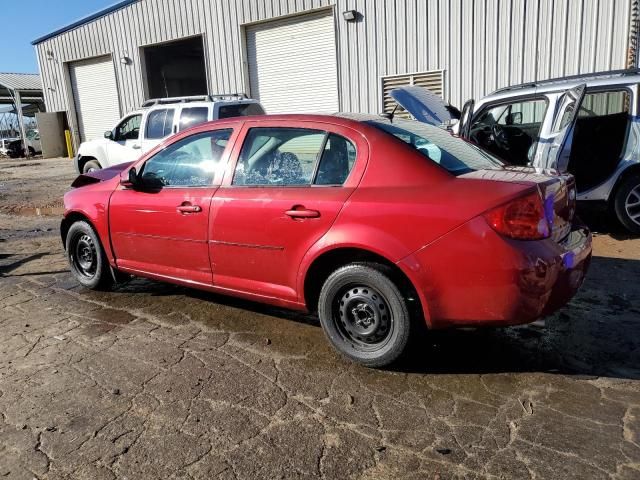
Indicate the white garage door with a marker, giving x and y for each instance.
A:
(95, 94)
(292, 64)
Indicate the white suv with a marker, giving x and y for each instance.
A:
(141, 130)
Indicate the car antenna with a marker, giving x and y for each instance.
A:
(389, 116)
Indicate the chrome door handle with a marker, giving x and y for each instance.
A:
(189, 208)
(136, 146)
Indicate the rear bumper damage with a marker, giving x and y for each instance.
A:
(475, 277)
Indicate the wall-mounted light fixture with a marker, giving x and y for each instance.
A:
(125, 60)
(350, 15)
(49, 55)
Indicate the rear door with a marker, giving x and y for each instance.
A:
(192, 115)
(554, 147)
(283, 194)
(159, 124)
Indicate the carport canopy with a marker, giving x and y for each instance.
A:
(23, 91)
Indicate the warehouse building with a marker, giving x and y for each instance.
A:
(321, 55)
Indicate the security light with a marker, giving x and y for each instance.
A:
(350, 15)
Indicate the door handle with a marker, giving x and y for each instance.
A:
(299, 211)
(136, 146)
(189, 208)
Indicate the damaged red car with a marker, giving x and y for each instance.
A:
(377, 224)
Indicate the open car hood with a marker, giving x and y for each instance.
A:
(100, 175)
(424, 105)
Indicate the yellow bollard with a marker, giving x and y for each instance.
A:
(67, 136)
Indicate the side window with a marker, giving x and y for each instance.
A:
(336, 162)
(279, 156)
(191, 162)
(128, 129)
(159, 123)
(192, 116)
(240, 110)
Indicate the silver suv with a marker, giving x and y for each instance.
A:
(585, 124)
(141, 130)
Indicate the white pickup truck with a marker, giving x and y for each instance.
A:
(141, 130)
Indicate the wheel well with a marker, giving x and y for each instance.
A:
(69, 220)
(628, 172)
(84, 159)
(329, 262)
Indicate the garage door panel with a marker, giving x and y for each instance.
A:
(95, 94)
(292, 64)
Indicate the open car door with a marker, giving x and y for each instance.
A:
(464, 128)
(424, 105)
(554, 146)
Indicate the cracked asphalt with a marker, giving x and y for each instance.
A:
(157, 381)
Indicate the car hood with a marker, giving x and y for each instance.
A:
(425, 105)
(102, 175)
(91, 144)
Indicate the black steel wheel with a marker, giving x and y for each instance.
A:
(364, 314)
(86, 257)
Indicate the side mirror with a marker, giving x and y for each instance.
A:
(514, 118)
(108, 135)
(132, 181)
(151, 181)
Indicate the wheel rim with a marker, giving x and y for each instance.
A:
(632, 204)
(363, 317)
(84, 256)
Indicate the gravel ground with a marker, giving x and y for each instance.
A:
(156, 381)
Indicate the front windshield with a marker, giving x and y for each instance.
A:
(450, 152)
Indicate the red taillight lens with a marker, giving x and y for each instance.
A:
(522, 218)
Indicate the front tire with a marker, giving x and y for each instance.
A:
(364, 314)
(86, 256)
(91, 166)
(627, 203)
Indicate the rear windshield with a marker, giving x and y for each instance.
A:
(240, 110)
(439, 146)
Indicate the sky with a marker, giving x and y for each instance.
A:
(24, 21)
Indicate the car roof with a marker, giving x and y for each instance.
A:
(592, 80)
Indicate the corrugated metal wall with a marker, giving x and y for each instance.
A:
(481, 44)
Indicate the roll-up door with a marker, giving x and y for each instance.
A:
(95, 94)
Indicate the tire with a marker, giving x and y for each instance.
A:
(87, 259)
(32, 152)
(627, 203)
(364, 314)
(90, 166)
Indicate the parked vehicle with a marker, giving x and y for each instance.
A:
(521, 124)
(380, 226)
(15, 148)
(139, 131)
(4, 146)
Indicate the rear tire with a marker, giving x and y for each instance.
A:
(91, 166)
(87, 260)
(32, 152)
(364, 314)
(627, 203)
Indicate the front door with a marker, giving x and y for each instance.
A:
(161, 227)
(288, 187)
(125, 141)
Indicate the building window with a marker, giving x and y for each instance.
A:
(433, 80)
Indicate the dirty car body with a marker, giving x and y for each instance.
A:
(380, 226)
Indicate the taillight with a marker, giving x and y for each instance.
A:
(523, 218)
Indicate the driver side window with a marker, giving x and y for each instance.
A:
(510, 130)
(128, 129)
(190, 162)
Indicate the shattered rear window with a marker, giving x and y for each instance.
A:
(438, 145)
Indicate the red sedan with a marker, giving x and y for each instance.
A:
(377, 225)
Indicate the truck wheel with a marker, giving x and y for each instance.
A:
(627, 203)
(364, 314)
(32, 152)
(86, 256)
(91, 166)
